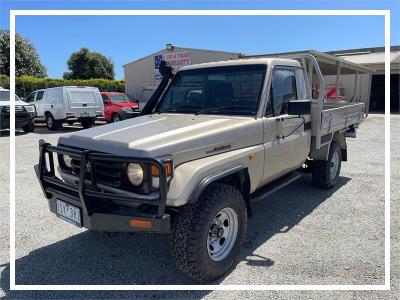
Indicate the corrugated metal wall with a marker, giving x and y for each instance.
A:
(139, 74)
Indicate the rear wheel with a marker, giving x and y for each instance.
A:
(51, 123)
(88, 122)
(326, 172)
(209, 234)
(30, 127)
(115, 118)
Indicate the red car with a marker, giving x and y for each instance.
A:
(118, 107)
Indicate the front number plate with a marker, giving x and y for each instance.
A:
(69, 213)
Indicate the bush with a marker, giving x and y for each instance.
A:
(27, 84)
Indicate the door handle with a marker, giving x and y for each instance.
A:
(51, 106)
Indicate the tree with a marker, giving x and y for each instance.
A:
(85, 64)
(27, 60)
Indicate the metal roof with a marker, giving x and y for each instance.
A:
(327, 62)
(372, 58)
(362, 50)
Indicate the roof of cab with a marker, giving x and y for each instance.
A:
(242, 62)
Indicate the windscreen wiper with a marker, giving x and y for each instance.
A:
(178, 109)
(216, 109)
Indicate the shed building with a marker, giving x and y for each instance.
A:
(142, 76)
(375, 84)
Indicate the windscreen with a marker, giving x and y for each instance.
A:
(230, 90)
(83, 97)
(5, 96)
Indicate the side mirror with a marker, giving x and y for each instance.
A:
(299, 107)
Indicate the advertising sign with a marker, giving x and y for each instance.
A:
(176, 60)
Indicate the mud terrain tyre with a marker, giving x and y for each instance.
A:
(325, 173)
(208, 235)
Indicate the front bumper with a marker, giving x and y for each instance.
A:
(125, 115)
(102, 210)
(21, 119)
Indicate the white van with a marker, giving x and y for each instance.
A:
(67, 104)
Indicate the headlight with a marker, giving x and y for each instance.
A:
(135, 173)
(126, 109)
(67, 160)
(30, 108)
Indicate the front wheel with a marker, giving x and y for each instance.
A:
(30, 127)
(51, 123)
(209, 234)
(325, 173)
(116, 118)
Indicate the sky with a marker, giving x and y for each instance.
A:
(127, 38)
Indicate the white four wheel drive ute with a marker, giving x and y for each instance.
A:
(24, 113)
(212, 137)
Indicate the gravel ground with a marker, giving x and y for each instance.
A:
(299, 235)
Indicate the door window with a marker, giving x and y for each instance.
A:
(283, 89)
(302, 91)
(105, 99)
(39, 95)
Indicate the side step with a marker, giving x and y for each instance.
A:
(274, 186)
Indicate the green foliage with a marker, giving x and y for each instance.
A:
(26, 84)
(85, 64)
(27, 61)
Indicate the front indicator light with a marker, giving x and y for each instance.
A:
(155, 172)
(135, 173)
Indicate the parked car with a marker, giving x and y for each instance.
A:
(67, 104)
(118, 106)
(24, 113)
(210, 139)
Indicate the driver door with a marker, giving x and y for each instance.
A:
(287, 138)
